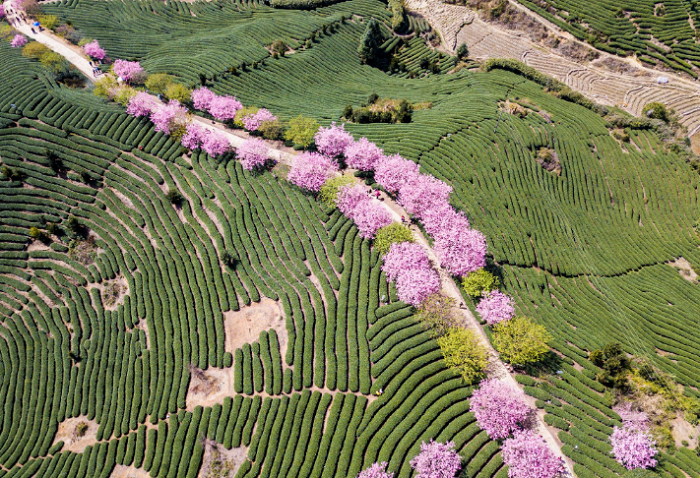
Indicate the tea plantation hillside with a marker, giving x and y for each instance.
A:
(119, 333)
(68, 352)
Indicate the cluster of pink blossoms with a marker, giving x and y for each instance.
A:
(193, 137)
(421, 192)
(436, 460)
(253, 121)
(333, 141)
(409, 266)
(2, 11)
(377, 470)
(215, 143)
(18, 41)
(310, 170)
(632, 445)
(169, 116)
(223, 108)
(499, 408)
(363, 155)
(632, 418)
(391, 172)
(142, 104)
(94, 50)
(528, 456)
(633, 448)
(496, 307)
(126, 70)
(253, 153)
(368, 215)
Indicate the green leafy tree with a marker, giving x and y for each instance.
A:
(331, 188)
(391, 234)
(103, 86)
(615, 365)
(437, 314)
(54, 63)
(656, 110)
(370, 42)
(478, 282)
(279, 47)
(521, 341)
(173, 196)
(272, 130)
(463, 51)
(301, 131)
(34, 50)
(176, 91)
(159, 82)
(464, 353)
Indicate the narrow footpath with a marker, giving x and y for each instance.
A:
(496, 368)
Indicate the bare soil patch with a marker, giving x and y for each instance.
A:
(76, 434)
(121, 471)
(683, 431)
(684, 269)
(244, 326)
(218, 462)
(37, 245)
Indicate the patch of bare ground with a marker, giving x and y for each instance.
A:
(620, 66)
(114, 291)
(695, 143)
(244, 326)
(143, 326)
(684, 269)
(121, 471)
(549, 160)
(218, 462)
(683, 431)
(76, 434)
(37, 245)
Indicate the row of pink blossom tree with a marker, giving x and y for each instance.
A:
(367, 213)
(632, 445)
(226, 108)
(435, 460)
(171, 117)
(501, 411)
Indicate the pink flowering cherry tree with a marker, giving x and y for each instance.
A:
(363, 155)
(142, 104)
(415, 285)
(392, 172)
(421, 192)
(169, 116)
(462, 253)
(127, 70)
(436, 460)
(253, 153)
(332, 141)
(310, 170)
(18, 41)
(224, 108)
(93, 50)
(409, 266)
(193, 137)
(202, 98)
(499, 408)
(253, 121)
(633, 448)
(349, 197)
(369, 216)
(403, 256)
(442, 221)
(215, 143)
(376, 470)
(528, 456)
(496, 307)
(2, 10)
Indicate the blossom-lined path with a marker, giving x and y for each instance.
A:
(496, 368)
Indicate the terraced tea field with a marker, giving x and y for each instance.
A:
(298, 359)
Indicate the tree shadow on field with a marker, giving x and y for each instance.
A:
(549, 365)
